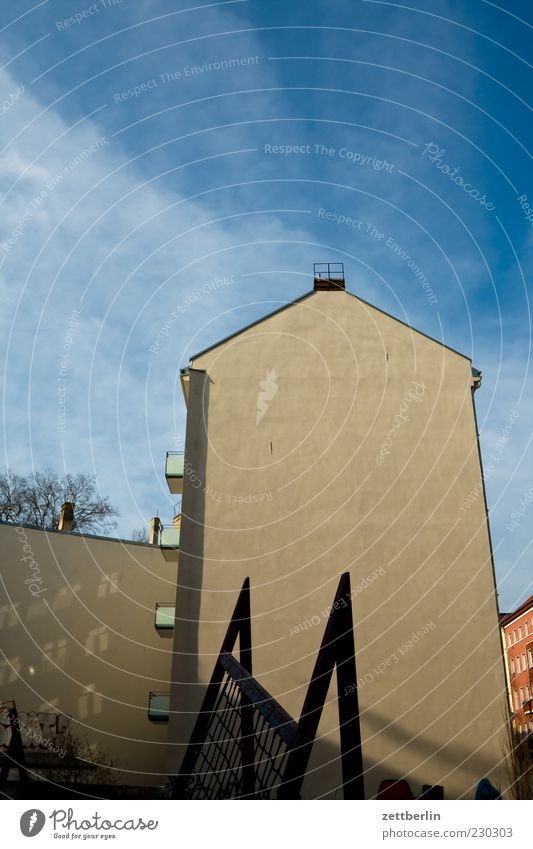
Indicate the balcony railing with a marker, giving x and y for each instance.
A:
(329, 275)
(174, 468)
(164, 619)
(169, 542)
(158, 707)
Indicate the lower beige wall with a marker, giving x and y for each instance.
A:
(78, 640)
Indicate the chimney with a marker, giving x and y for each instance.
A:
(155, 530)
(66, 517)
(329, 276)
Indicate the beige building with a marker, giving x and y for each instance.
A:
(80, 649)
(330, 436)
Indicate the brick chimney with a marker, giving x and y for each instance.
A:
(155, 530)
(66, 517)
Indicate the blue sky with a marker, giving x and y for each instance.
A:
(139, 166)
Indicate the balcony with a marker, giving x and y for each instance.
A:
(185, 380)
(158, 707)
(169, 543)
(164, 619)
(174, 471)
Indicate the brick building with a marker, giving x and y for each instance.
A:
(517, 635)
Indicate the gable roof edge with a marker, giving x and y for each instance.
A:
(303, 298)
(410, 327)
(248, 326)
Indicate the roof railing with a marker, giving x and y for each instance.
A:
(329, 275)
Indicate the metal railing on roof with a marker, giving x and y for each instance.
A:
(329, 271)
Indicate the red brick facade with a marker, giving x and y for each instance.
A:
(517, 631)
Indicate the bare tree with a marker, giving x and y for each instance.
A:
(519, 763)
(37, 499)
(81, 763)
(139, 535)
(12, 497)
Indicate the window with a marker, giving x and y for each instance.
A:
(514, 636)
(524, 664)
(515, 694)
(519, 632)
(512, 666)
(508, 640)
(530, 657)
(521, 697)
(526, 628)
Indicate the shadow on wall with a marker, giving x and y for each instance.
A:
(455, 756)
(325, 769)
(190, 567)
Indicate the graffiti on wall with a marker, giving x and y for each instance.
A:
(38, 731)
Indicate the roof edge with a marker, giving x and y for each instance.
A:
(508, 618)
(252, 324)
(70, 534)
(308, 295)
(410, 327)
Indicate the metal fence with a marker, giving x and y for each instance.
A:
(245, 745)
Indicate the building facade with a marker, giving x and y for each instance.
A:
(82, 621)
(331, 437)
(517, 636)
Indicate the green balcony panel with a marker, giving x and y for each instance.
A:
(158, 707)
(164, 619)
(169, 542)
(174, 470)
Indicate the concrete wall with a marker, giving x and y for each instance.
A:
(362, 460)
(78, 638)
